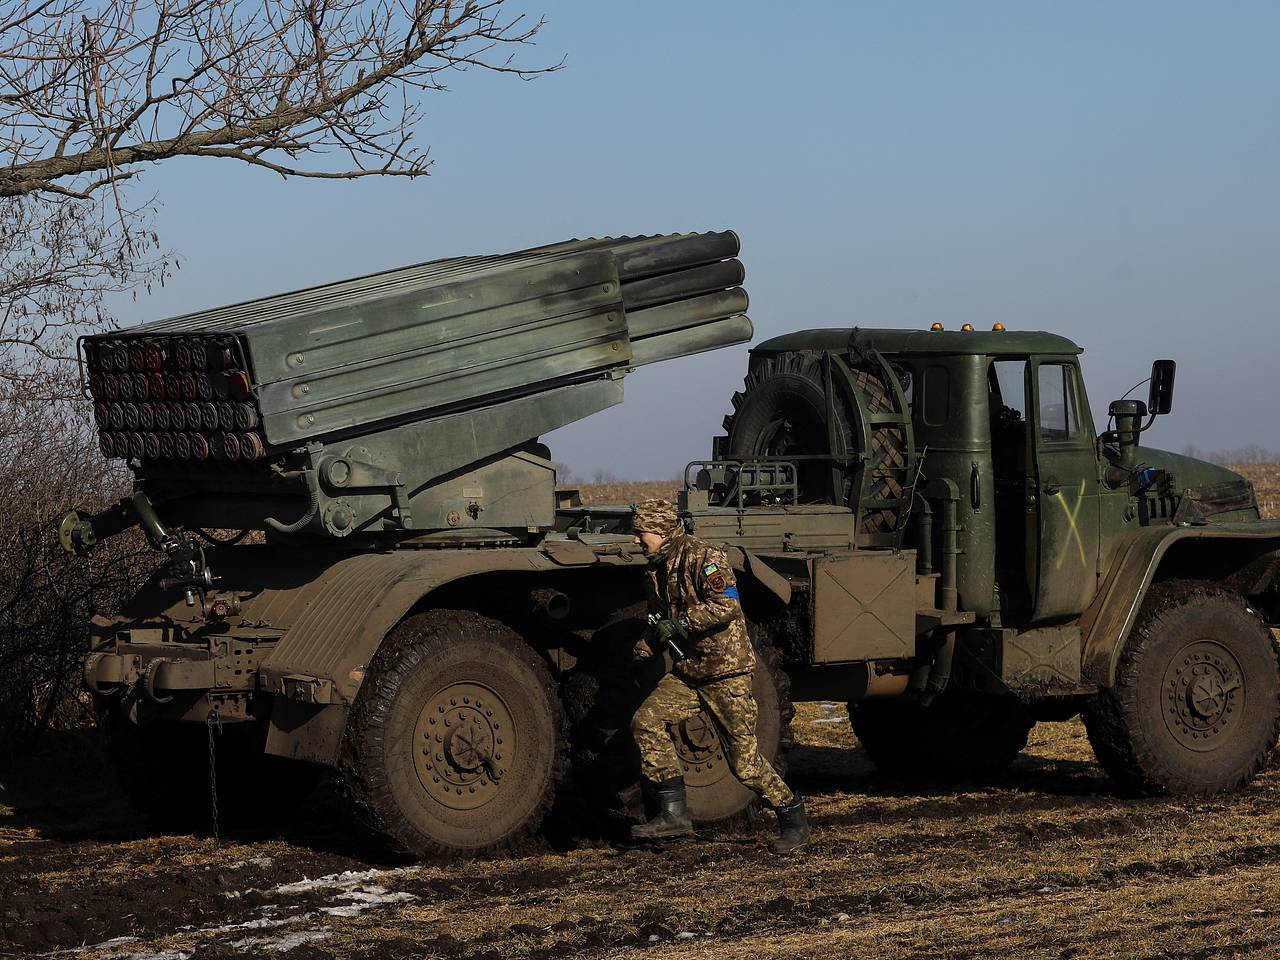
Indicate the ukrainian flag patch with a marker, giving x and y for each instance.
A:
(710, 569)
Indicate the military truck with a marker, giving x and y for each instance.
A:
(368, 566)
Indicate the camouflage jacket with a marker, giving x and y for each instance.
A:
(692, 579)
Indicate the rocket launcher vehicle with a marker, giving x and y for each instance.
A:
(406, 403)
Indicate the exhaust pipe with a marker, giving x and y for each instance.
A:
(550, 603)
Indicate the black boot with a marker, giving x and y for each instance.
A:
(793, 828)
(672, 819)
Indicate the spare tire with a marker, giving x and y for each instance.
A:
(782, 411)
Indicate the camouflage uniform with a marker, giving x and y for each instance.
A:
(693, 580)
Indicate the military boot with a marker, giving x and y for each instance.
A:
(672, 819)
(793, 828)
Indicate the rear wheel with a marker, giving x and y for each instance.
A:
(1195, 708)
(714, 793)
(456, 742)
(958, 736)
(603, 695)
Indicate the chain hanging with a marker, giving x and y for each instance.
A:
(211, 722)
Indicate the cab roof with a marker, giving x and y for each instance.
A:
(904, 342)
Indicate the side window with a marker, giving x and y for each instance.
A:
(937, 395)
(1007, 383)
(1007, 407)
(1059, 414)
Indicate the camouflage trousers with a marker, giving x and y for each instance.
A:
(732, 705)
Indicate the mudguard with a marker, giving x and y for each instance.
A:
(1106, 624)
(340, 617)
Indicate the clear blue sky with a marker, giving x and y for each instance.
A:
(1107, 171)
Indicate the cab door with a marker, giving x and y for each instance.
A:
(1063, 489)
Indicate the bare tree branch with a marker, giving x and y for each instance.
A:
(95, 90)
(144, 81)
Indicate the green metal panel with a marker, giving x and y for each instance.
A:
(917, 342)
(232, 416)
(819, 528)
(864, 606)
(1064, 494)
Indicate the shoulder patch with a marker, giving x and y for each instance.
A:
(710, 569)
(717, 582)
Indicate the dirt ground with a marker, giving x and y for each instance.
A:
(1046, 862)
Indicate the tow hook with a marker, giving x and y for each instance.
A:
(149, 681)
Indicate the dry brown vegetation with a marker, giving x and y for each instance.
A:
(1046, 862)
(1265, 478)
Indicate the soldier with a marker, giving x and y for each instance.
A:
(692, 590)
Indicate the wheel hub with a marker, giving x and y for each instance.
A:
(465, 742)
(1204, 695)
(701, 755)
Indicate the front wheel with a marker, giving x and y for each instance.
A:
(456, 741)
(1195, 708)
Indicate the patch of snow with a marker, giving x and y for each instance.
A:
(831, 720)
(157, 955)
(279, 944)
(365, 898)
(262, 923)
(686, 935)
(339, 881)
(654, 938)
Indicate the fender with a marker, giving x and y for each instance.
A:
(1106, 624)
(337, 618)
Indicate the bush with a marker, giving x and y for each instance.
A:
(49, 463)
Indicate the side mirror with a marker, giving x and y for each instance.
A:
(1161, 399)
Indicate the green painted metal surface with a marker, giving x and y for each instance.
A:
(912, 342)
(345, 410)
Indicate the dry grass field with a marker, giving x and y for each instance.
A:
(1046, 862)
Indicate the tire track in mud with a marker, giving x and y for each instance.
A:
(35, 917)
(883, 855)
(258, 896)
(261, 892)
(776, 915)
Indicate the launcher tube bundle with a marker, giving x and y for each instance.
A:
(339, 409)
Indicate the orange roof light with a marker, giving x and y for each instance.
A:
(935, 326)
(967, 328)
(998, 327)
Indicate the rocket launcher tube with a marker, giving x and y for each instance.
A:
(432, 373)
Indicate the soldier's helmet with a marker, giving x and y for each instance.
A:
(654, 516)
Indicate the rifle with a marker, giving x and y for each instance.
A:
(667, 632)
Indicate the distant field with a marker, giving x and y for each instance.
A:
(1266, 482)
(1264, 476)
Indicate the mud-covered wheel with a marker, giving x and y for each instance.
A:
(782, 411)
(714, 793)
(604, 696)
(958, 736)
(456, 741)
(1195, 708)
(164, 770)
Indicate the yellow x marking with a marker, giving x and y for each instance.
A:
(1072, 513)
